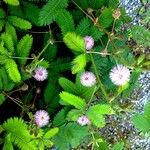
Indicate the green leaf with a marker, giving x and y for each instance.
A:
(8, 42)
(24, 47)
(79, 63)
(60, 117)
(101, 109)
(97, 119)
(71, 99)
(67, 85)
(48, 12)
(74, 42)
(74, 114)
(20, 135)
(11, 30)
(19, 22)
(31, 12)
(83, 4)
(12, 70)
(118, 146)
(106, 18)
(147, 110)
(83, 27)
(52, 132)
(141, 122)
(12, 2)
(96, 112)
(8, 144)
(65, 21)
(2, 13)
(3, 50)
(2, 24)
(96, 4)
(141, 35)
(2, 98)
(5, 83)
(71, 134)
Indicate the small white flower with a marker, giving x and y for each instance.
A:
(119, 75)
(41, 118)
(88, 79)
(83, 120)
(40, 74)
(89, 42)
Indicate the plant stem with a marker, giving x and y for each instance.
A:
(21, 58)
(43, 50)
(99, 81)
(92, 96)
(99, 53)
(14, 100)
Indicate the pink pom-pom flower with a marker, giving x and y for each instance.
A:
(88, 79)
(40, 74)
(120, 75)
(89, 42)
(83, 120)
(41, 118)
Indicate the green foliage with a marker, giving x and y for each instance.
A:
(24, 48)
(18, 133)
(2, 13)
(11, 31)
(96, 114)
(52, 132)
(67, 85)
(141, 121)
(118, 146)
(8, 144)
(5, 83)
(74, 114)
(76, 88)
(19, 22)
(74, 42)
(106, 18)
(12, 70)
(73, 100)
(60, 117)
(2, 98)
(12, 2)
(79, 63)
(96, 4)
(141, 35)
(70, 135)
(48, 12)
(65, 21)
(8, 42)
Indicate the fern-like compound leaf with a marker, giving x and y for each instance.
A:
(19, 22)
(12, 70)
(19, 133)
(8, 42)
(65, 21)
(12, 2)
(74, 42)
(24, 47)
(73, 100)
(12, 31)
(48, 12)
(79, 63)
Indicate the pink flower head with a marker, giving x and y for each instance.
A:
(119, 75)
(88, 79)
(40, 74)
(89, 42)
(41, 118)
(83, 120)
